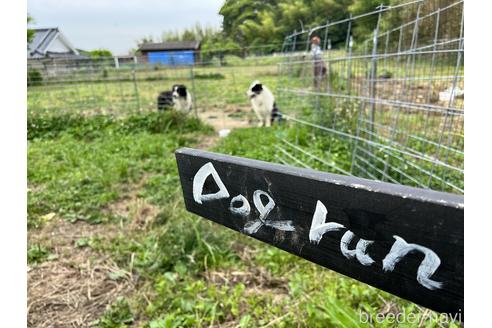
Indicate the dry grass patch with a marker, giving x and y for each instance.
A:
(75, 287)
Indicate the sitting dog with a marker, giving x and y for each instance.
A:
(263, 104)
(178, 98)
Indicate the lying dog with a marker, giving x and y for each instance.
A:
(263, 104)
(178, 98)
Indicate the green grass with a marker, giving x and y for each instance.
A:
(80, 165)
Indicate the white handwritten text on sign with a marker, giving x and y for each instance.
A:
(319, 227)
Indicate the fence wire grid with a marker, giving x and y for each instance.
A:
(108, 86)
(389, 107)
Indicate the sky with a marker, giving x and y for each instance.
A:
(118, 24)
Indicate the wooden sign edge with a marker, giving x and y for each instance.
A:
(425, 195)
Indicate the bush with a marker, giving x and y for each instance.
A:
(34, 77)
(88, 128)
(163, 122)
(48, 127)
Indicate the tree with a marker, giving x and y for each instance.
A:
(195, 33)
(139, 42)
(267, 22)
(100, 53)
(145, 39)
(214, 43)
(30, 32)
(246, 13)
(170, 35)
(363, 29)
(218, 45)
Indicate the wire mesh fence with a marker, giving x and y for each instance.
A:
(93, 87)
(389, 107)
(111, 86)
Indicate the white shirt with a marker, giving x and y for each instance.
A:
(316, 51)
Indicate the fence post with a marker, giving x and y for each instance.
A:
(294, 43)
(116, 62)
(193, 95)
(362, 108)
(448, 118)
(348, 47)
(135, 88)
(372, 75)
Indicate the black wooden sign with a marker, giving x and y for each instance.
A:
(403, 240)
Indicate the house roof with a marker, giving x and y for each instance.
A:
(43, 38)
(170, 45)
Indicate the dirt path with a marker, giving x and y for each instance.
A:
(230, 117)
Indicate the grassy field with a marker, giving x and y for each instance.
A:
(110, 243)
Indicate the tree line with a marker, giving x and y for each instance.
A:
(261, 25)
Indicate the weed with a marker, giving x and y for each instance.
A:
(37, 254)
(118, 315)
(34, 77)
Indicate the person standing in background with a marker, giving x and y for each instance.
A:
(319, 67)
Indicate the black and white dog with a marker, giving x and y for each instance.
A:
(178, 98)
(263, 104)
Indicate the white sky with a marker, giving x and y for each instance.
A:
(117, 24)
